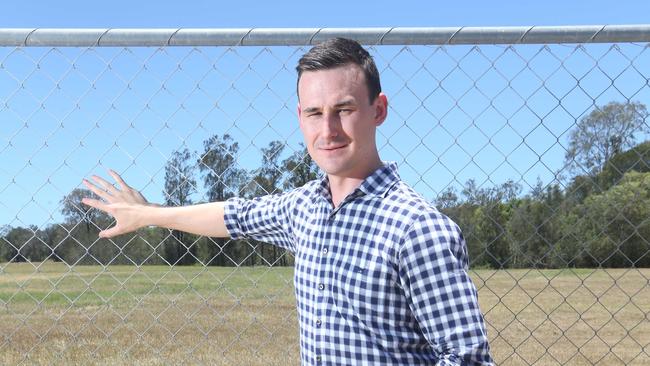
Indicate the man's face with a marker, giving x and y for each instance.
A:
(338, 121)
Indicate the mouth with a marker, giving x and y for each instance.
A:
(333, 148)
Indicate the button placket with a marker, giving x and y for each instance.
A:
(323, 275)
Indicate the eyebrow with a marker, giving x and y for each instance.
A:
(343, 103)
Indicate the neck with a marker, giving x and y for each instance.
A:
(342, 186)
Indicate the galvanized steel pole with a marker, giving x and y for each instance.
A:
(43, 37)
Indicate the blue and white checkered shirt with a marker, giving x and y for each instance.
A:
(380, 280)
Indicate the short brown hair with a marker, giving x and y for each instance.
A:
(338, 52)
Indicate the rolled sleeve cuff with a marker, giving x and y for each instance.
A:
(231, 217)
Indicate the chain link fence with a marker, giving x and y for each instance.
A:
(535, 140)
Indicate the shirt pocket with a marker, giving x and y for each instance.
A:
(362, 280)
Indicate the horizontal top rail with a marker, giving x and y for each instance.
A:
(94, 37)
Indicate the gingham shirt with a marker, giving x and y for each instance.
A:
(379, 280)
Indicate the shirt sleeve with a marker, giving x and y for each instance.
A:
(433, 272)
(266, 218)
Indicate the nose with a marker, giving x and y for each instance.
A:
(331, 125)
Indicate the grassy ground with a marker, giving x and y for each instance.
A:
(155, 315)
(576, 317)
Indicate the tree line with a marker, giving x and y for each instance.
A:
(598, 216)
(75, 240)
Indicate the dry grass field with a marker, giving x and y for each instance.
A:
(157, 315)
(568, 317)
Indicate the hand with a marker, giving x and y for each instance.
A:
(125, 204)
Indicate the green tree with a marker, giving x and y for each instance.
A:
(23, 244)
(7, 250)
(37, 249)
(82, 224)
(635, 159)
(222, 179)
(265, 180)
(8, 247)
(580, 187)
(53, 236)
(180, 247)
(483, 214)
(268, 177)
(147, 247)
(75, 212)
(613, 227)
(534, 228)
(447, 199)
(300, 168)
(218, 162)
(605, 132)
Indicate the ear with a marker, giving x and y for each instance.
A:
(381, 109)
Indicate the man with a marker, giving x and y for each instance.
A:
(380, 275)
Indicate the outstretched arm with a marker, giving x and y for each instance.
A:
(132, 211)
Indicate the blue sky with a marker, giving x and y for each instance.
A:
(333, 13)
(38, 188)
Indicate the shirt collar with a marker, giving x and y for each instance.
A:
(376, 184)
(380, 182)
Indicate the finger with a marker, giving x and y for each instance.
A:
(96, 190)
(105, 234)
(107, 186)
(94, 203)
(118, 179)
(109, 233)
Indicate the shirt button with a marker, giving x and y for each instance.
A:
(318, 322)
(319, 358)
(321, 287)
(325, 250)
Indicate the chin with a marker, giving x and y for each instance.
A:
(338, 170)
(329, 167)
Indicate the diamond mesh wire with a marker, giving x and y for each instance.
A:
(559, 247)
